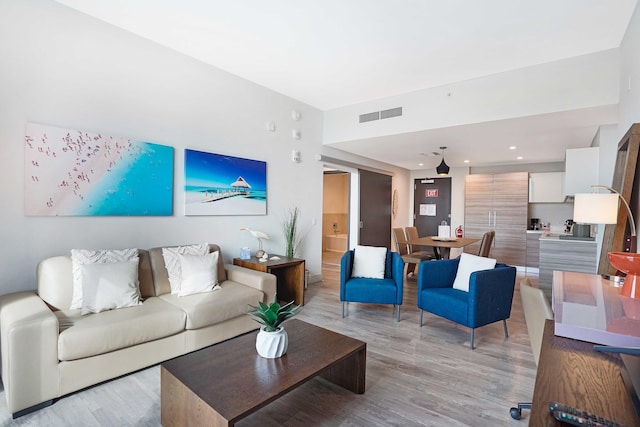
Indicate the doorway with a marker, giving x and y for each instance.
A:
(432, 204)
(335, 214)
(375, 209)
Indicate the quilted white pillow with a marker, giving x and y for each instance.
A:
(172, 262)
(468, 264)
(80, 257)
(369, 261)
(107, 286)
(199, 273)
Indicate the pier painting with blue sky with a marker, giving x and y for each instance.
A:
(78, 173)
(217, 184)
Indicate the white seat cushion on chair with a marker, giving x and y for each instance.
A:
(369, 262)
(468, 264)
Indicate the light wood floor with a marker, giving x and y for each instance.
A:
(415, 376)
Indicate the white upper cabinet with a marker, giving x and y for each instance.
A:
(546, 187)
(581, 168)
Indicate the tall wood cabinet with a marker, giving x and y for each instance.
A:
(498, 202)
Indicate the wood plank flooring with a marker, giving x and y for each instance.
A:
(415, 376)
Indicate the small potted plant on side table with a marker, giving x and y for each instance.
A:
(272, 340)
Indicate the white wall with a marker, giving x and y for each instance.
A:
(63, 68)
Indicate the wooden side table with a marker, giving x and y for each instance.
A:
(288, 271)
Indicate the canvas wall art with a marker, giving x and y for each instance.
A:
(216, 184)
(76, 173)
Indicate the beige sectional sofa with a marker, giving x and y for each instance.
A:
(49, 350)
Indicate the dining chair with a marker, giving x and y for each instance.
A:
(411, 258)
(537, 310)
(485, 244)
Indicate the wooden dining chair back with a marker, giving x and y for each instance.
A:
(411, 259)
(412, 234)
(485, 244)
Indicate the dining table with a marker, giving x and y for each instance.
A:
(442, 245)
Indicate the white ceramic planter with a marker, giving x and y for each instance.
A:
(272, 344)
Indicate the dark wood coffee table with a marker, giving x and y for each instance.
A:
(221, 384)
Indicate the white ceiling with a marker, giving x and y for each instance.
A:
(332, 53)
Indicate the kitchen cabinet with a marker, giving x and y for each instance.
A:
(547, 187)
(581, 170)
(533, 249)
(565, 255)
(498, 202)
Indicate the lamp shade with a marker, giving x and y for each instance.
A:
(595, 208)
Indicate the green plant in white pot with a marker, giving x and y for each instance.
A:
(272, 340)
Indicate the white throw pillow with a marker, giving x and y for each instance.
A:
(88, 256)
(199, 273)
(172, 262)
(369, 261)
(107, 286)
(468, 264)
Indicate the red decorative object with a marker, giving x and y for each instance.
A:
(628, 263)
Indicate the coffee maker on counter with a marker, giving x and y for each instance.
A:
(535, 224)
(568, 226)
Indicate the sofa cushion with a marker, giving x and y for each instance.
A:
(215, 307)
(468, 264)
(173, 264)
(84, 336)
(80, 257)
(107, 286)
(199, 274)
(161, 275)
(369, 262)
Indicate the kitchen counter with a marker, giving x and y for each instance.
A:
(570, 238)
(558, 254)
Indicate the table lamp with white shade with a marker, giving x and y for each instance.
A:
(597, 208)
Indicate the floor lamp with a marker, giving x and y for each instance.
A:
(597, 208)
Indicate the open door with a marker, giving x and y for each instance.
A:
(375, 209)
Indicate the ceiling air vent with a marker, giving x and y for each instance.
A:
(392, 112)
(369, 117)
(379, 115)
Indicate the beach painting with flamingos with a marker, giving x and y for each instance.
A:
(217, 184)
(78, 173)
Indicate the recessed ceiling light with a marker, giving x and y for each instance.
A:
(519, 157)
(513, 147)
(466, 161)
(420, 164)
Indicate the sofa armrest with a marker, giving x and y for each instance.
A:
(29, 349)
(265, 282)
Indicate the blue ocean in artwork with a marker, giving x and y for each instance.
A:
(140, 185)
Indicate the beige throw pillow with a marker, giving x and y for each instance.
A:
(199, 273)
(369, 261)
(81, 257)
(107, 286)
(468, 264)
(172, 262)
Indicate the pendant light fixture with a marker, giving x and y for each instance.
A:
(443, 168)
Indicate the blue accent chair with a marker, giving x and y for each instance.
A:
(488, 300)
(373, 291)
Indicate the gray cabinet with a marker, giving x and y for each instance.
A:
(533, 249)
(565, 255)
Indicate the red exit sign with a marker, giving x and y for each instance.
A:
(431, 193)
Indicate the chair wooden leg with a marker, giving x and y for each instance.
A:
(471, 341)
(506, 332)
